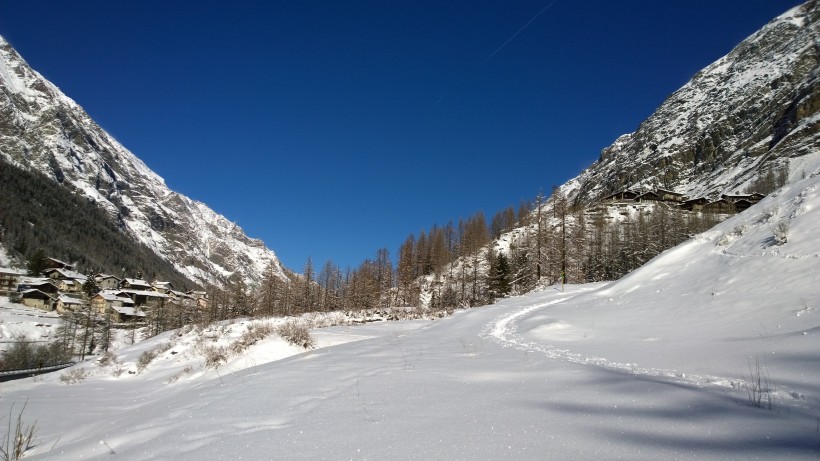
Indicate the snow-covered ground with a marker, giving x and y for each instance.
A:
(654, 366)
(18, 321)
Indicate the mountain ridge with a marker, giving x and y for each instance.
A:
(751, 111)
(42, 129)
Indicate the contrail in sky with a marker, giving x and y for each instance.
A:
(512, 37)
(500, 47)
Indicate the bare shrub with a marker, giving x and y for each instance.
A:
(214, 356)
(758, 386)
(182, 373)
(118, 370)
(19, 437)
(145, 358)
(77, 375)
(149, 355)
(108, 358)
(296, 333)
(26, 354)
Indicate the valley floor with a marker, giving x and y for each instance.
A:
(549, 375)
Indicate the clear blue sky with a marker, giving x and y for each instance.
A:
(334, 128)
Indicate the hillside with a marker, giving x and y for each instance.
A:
(43, 130)
(752, 112)
(37, 214)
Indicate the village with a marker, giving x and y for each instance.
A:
(727, 203)
(60, 288)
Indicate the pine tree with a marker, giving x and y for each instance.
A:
(498, 275)
(36, 263)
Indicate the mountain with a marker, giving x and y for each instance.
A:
(751, 112)
(43, 130)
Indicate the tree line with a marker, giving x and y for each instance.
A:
(472, 262)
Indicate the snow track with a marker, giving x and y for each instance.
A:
(504, 331)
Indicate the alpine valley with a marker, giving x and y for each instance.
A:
(750, 114)
(663, 304)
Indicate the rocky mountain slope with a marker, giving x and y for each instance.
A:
(41, 129)
(753, 111)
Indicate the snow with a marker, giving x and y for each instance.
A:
(17, 320)
(654, 366)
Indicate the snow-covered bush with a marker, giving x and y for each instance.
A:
(254, 332)
(296, 333)
(107, 358)
(781, 233)
(768, 214)
(77, 375)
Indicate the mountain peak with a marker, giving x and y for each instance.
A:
(746, 114)
(52, 134)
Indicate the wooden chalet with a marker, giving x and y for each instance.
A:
(670, 196)
(46, 285)
(695, 204)
(135, 284)
(162, 287)
(719, 206)
(52, 263)
(9, 278)
(742, 205)
(36, 298)
(752, 198)
(107, 282)
(734, 197)
(66, 304)
(126, 314)
(648, 197)
(105, 300)
(66, 280)
(143, 297)
(624, 195)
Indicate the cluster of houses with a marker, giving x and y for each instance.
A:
(60, 288)
(725, 204)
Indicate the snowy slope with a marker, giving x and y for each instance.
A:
(747, 113)
(42, 129)
(654, 366)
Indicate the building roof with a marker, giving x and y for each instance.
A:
(67, 274)
(148, 293)
(35, 293)
(10, 271)
(69, 300)
(138, 282)
(60, 263)
(647, 194)
(34, 280)
(127, 310)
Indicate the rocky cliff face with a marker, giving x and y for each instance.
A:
(754, 110)
(42, 129)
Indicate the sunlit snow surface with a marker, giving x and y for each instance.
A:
(650, 367)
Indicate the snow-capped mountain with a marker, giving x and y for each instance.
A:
(750, 112)
(42, 129)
